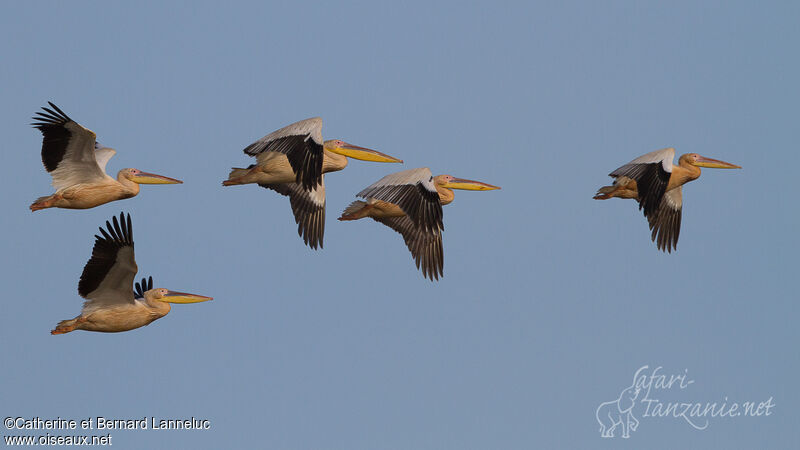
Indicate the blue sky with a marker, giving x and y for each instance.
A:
(550, 300)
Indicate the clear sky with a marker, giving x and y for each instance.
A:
(550, 300)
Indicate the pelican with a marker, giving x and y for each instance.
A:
(107, 285)
(410, 202)
(291, 161)
(656, 183)
(77, 163)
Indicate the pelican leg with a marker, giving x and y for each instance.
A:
(242, 176)
(235, 176)
(623, 187)
(65, 326)
(45, 202)
(605, 193)
(356, 210)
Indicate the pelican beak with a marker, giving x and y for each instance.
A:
(470, 185)
(702, 161)
(364, 154)
(151, 178)
(183, 297)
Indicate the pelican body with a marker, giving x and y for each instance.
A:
(273, 167)
(656, 183)
(410, 202)
(112, 305)
(292, 161)
(379, 209)
(77, 164)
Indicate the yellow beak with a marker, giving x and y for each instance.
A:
(364, 154)
(702, 161)
(151, 178)
(469, 185)
(183, 297)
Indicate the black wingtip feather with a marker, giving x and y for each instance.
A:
(55, 134)
(425, 247)
(145, 285)
(309, 216)
(665, 227)
(62, 113)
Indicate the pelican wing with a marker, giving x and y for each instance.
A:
(140, 289)
(308, 207)
(301, 142)
(102, 155)
(107, 278)
(68, 149)
(665, 222)
(414, 192)
(651, 172)
(425, 246)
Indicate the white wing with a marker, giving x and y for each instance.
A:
(651, 172)
(310, 127)
(414, 192)
(68, 149)
(663, 156)
(421, 175)
(107, 278)
(302, 144)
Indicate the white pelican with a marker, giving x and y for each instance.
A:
(291, 161)
(656, 183)
(410, 202)
(77, 163)
(107, 285)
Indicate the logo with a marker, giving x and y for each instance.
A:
(646, 400)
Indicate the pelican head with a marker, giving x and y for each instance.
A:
(701, 161)
(139, 177)
(353, 151)
(167, 296)
(451, 182)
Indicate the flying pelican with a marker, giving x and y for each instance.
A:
(656, 183)
(107, 285)
(77, 163)
(410, 202)
(291, 161)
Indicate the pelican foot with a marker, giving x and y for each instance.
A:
(62, 330)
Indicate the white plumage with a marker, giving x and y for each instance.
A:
(420, 175)
(664, 156)
(311, 127)
(674, 198)
(102, 155)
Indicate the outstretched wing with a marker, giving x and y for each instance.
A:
(425, 246)
(68, 149)
(308, 207)
(665, 222)
(651, 172)
(301, 142)
(414, 192)
(107, 278)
